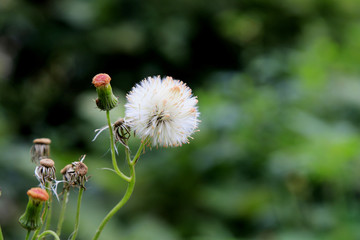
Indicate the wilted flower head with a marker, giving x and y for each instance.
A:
(46, 171)
(163, 110)
(40, 149)
(74, 174)
(121, 131)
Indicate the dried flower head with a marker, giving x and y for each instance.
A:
(163, 110)
(121, 131)
(40, 149)
(74, 174)
(31, 219)
(46, 172)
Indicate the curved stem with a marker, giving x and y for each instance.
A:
(77, 214)
(113, 157)
(138, 153)
(122, 202)
(62, 212)
(26, 237)
(35, 234)
(49, 232)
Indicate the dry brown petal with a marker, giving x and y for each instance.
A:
(81, 168)
(64, 170)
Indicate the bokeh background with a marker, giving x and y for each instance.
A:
(278, 152)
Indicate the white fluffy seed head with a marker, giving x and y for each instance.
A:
(163, 110)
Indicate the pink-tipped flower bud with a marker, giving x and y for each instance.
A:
(38, 194)
(101, 79)
(31, 219)
(106, 99)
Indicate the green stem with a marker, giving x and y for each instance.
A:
(113, 157)
(48, 217)
(62, 212)
(49, 232)
(43, 219)
(1, 235)
(122, 202)
(26, 238)
(138, 153)
(77, 218)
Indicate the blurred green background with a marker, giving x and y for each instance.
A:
(277, 155)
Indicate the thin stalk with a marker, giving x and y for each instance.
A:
(36, 233)
(138, 153)
(77, 218)
(48, 217)
(49, 232)
(26, 237)
(120, 204)
(62, 211)
(1, 236)
(113, 157)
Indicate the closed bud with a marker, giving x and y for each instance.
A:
(106, 99)
(31, 219)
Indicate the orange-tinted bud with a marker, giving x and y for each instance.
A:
(31, 219)
(38, 194)
(101, 79)
(106, 99)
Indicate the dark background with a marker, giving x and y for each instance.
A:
(277, 155)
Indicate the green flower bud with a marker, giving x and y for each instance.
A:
(31, 219)
(106, 99)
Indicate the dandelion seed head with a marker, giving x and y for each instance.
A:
(163, 110)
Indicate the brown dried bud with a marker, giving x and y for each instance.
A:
(119, 122)
(81, 169)
(64, 170)
(47, 162)
(45, 141)
(40, 149)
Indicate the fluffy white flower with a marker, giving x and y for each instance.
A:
(163, 109)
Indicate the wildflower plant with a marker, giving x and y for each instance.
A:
(162, 112)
